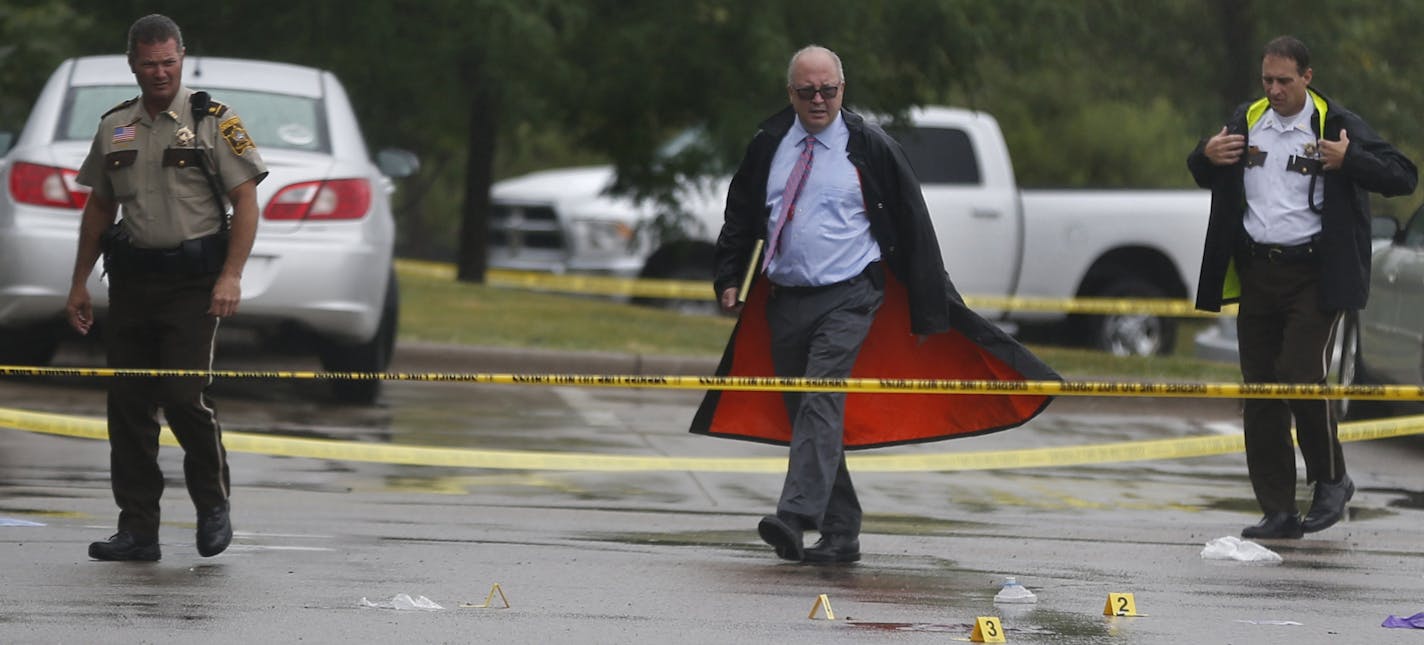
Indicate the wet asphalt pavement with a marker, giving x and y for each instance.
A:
(673, 556)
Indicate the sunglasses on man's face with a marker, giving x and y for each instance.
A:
(827, 92)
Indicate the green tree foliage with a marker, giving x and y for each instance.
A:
(34, 36)
(649, 70)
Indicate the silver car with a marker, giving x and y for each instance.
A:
(320, 270)
(1387, 346)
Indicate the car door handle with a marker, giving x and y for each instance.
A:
(985, 213)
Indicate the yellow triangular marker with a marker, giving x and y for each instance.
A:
(822, 602)
(1120, 604)
(987, 630)
(490, 598)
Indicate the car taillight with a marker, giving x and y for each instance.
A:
(47, 186)
(321, 200)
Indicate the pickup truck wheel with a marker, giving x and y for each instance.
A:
(682, 262)
(371, 356)
(1132, 334)
(28, 346)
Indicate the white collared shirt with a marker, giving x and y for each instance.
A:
(1277, 208)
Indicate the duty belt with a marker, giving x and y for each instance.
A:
(196, 256)
(1278, 254)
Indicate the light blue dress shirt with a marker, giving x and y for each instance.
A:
(828, 240)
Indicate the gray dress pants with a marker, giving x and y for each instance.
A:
(816, 332)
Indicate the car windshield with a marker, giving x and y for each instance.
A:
(281, 121)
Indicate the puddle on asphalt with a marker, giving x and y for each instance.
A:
(1408, 500)
(1038, 622)
(736, 538)
(1356, 512)
(71, 515)
(916, 525)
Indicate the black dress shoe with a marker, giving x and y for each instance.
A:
(1275, 526)
(123, 546)
(834, 548)
(784, 536)
(214, 531)
(1329, 504)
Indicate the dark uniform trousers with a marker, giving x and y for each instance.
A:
(816, 332)
(160, 320)
(1284, 336)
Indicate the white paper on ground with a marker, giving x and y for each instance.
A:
(1235, 548)
(11, 521)
(403, 601)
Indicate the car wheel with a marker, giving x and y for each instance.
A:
(1131, 334)
(28, 346)
(371, 356)
(1345, 358)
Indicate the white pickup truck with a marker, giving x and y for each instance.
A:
(997, 241)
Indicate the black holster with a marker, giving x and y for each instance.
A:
(197, 256)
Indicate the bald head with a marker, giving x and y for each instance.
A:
(815, 51)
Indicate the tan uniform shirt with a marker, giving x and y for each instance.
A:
(150, 168)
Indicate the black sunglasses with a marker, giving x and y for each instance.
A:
(827, 92)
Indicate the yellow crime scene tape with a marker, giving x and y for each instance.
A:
(694, 290)
(790, 384)
(338, 450)
(1178, 448)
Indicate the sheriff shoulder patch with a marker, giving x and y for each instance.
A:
(216, 109)
(236, 136)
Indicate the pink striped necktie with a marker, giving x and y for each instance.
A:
(794, 184)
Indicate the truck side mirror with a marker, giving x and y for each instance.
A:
(397, 163)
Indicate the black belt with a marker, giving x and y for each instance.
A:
(1278, 254)
(871, 271)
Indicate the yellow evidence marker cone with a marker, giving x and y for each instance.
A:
(987, 629)
(490, 598)
(1120, 604)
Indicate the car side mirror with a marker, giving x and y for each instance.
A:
(1383, 227)
(397, 163)
(7, 138)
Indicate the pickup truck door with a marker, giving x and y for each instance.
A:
(975, 213)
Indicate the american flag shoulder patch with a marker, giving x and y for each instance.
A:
(125, 133)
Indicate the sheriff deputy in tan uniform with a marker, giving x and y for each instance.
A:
(174, 265)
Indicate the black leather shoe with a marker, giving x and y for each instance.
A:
(1275, 526)
(1329, 504)
(834, 548)
(784, 536)
(214, 531)
(123, 546)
